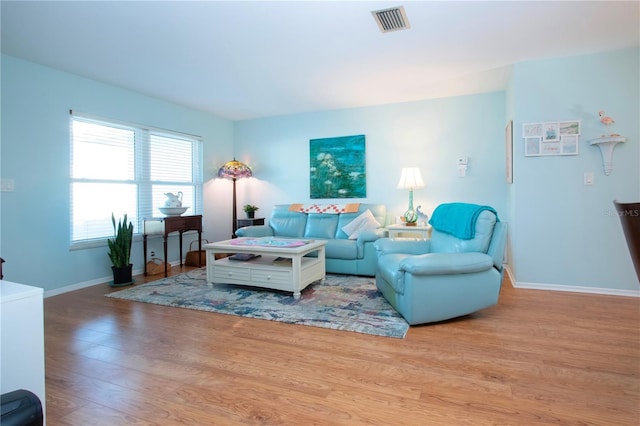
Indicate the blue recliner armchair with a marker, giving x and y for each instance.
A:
(456, 272)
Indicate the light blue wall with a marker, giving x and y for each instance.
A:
(35, 153)
(429, 134)
(565, 233)
(562, 234)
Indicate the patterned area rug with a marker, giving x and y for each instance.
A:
(342, 302)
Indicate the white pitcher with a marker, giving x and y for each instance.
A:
(173, 200)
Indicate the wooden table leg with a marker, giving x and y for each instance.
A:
(165, 257)
(144, 247)
(199, 249)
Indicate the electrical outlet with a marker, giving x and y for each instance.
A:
(152, 254)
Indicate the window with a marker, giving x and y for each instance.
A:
(121, 168)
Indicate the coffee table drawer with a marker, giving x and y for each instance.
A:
(270, 276)
(225, 273)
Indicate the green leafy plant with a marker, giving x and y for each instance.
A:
(248, 208)
(120, 246)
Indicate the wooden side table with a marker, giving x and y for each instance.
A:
(167, 225)
(250, 222)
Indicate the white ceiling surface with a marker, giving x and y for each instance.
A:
(242, 60)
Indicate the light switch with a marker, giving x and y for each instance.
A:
(462, 165)
(7, 185)
(588, 178)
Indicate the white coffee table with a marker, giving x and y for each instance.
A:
(261, 271)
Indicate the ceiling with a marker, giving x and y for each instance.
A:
(242, 60)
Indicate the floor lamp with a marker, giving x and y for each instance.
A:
(234, 170)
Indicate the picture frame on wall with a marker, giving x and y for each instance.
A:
(532, 146)
(569, 128)
(570, 144)
(532, 130)
(337, 167)
(551, 132)
(551, 138)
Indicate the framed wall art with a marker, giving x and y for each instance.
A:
(551, 138)
(509, 150)
(337, 167)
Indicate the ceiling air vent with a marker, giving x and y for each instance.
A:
(393, 19)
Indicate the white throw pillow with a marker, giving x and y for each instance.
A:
(361, 223)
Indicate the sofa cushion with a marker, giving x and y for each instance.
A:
(446, 243)
(321, 225)
(288, 225)
(361, 223)
(341, 249)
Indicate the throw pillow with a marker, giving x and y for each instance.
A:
(361, 223)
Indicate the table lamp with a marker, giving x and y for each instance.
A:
(410, 178)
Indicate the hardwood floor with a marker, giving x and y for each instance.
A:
(536, 358)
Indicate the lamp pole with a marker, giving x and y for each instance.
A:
(234, 225)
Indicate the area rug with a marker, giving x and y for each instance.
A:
(341, 302)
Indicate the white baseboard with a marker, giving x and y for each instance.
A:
(97, 281)
(78, 286)
(523, 285)
(571, 288)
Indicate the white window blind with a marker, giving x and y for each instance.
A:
(121, 168)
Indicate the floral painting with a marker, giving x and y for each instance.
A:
(337, 167)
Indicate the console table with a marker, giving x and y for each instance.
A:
(166, 225)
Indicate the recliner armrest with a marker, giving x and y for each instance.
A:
(255, 231)
(408, 246)
(446, 263)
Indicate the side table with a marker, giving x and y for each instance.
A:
(167, 225)
(250, 222)
(398, 230)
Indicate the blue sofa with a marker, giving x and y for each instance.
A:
(446, 276)
(343, 255)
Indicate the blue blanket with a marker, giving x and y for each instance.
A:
(458, 219)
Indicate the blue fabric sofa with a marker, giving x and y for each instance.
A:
(343, 255)
(446, 276)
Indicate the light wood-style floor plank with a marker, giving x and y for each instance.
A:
(537, 358)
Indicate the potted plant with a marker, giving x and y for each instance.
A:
(120, 251)
(250, 210)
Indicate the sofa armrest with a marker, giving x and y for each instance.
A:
(255, 231)
(408, 246)
(369, 236)
(372, 235)
(446, 263)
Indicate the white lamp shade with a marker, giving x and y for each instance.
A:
(410, 178)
